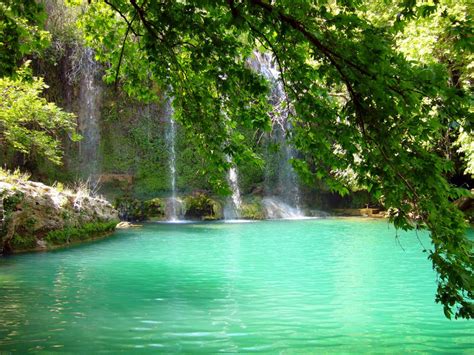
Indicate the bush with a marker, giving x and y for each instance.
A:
(86, 231)
(200, 206)
(29, 123)
(131, 210)
(22, 242)
(154, 208)
(252, 210)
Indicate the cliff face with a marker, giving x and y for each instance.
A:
(34, 216)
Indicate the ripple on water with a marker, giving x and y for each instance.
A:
(336, 285)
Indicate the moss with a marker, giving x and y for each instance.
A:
(49, 173)
(86, 231)
(20, 242)
(135, 210)
(252, 210)
(130, 209)
(155, 208)
(201, 206)
(30, 224)
(10, 202)
(150, 179)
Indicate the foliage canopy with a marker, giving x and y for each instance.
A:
(357, 102)
(21, 32)
(29, 123)
(358, 97)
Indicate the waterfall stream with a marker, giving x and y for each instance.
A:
(281, 184)
(234, 203)
(171, 144)
(89, 116)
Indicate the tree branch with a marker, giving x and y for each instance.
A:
(129, 23)
(141, 14)
(297, 25)
(123, 49)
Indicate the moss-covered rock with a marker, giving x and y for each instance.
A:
(130, 209)
(466, 205)
(19, 242)
(31, 211)
(135, 210)
(84, 232)
(199, 206)
(155, 208)
(252, 210)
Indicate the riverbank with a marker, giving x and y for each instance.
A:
(35, 216)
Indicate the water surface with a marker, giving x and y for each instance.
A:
(326, 285)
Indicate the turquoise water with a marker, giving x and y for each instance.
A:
(306, 286)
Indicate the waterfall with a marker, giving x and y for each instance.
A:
(281, 182)
(89, 116)
(234, 204)
(171, 144)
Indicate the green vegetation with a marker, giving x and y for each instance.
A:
(201, 206)
(131, 209)
(23, 242)
(74, 234)
(378, 95)
(252, 210)
(28, 123)
(21, 32)
(358, 102)
(16, 174)
(155, 208)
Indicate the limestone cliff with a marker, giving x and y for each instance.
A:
(34, 216)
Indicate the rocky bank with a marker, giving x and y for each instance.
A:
(34, 216)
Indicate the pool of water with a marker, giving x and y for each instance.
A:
(330, 285)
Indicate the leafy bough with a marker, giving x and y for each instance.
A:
(357, 103)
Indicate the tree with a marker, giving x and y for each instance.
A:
(443, 37)
(21, 32)
(358, 103)
(28, 123)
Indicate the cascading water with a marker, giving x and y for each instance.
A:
(89, 116)
(281, 184)
(234, 204)
(171, 144)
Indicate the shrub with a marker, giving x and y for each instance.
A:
(86, 231)
(253, 210)
(200, 206)
(154, 208)
(23, 242)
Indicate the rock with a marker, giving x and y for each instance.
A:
(104, 178)
(131, 210)
(127, 225)
(464, 203)
(252, 210)
(199, 206)
(369, 211)
(155, 208)
(360, 212)
(258, 191)
(41, 244)
(34, 214)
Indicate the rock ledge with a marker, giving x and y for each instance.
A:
(35, 216)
